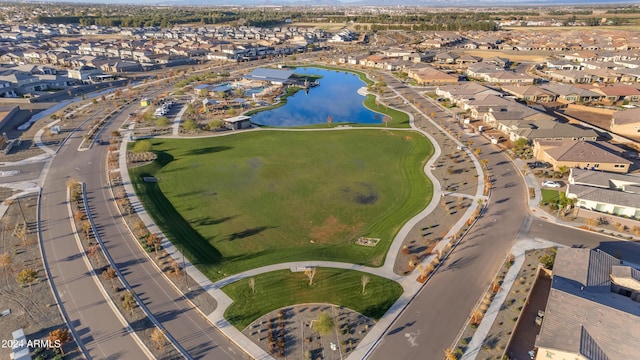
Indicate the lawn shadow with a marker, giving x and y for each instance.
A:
(248, 232)
(209, 150)
(178, 230)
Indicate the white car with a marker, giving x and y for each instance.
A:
(551, 184)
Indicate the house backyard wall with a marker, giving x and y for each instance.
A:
(583, 206)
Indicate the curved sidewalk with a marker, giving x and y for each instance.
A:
(409, 283)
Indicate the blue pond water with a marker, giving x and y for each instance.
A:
(336, 96)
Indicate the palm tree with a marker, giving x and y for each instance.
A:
(563, 170)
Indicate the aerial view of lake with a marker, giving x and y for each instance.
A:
(336, 96)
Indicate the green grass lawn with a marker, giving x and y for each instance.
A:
(239, 202)
(550, 195)
(399, 119)
(334, 286)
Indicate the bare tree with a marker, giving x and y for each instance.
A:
(5, 262)
(129, 301)
(154, 240)
(158, 337)
(110, 274)
(364, 280)
(252, 285)
(386, 120)
(310, 272)
(92, 252)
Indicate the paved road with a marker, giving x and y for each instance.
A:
(100, 332)
(182, 321)
(432, 321)
(434, 318)
(626, 250)
(96, 324)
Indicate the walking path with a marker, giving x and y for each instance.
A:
(409, 283)
(518, 251)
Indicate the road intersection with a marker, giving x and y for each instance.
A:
(427, 326)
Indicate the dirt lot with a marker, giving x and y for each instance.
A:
(511, 55)
(33, 308)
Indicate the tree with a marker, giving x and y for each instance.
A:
(548, 260)
(5, 262)
(563, 170)
(60, 336)
(364, 280)
(476, 317)
(140, 227)
(141, 146)
(158, 337)
(310, 272)
(449, 354)
(27, 277)
(323, 324)
(189, 125)
(329, 120)
(110, 274)
(92, 251)
(252, 285)
(129, 301)
(162, 121)
(386, 120)
(484, 163)
(86, 226)
(155, 240)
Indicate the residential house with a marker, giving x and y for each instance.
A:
(531, 93)
(425, 57)
(616, 194)
(484, 103)
(569, 76)
(445, 58)
(602, 75)
(618, 92)
(82, 73)
(592, 311)
(626, 122)
(572, 94)
(468, 59)
(461, 93)
(581, 154)
(532, 130)
(560, 64)
(6, 90)
(427, 75)
(496, 75)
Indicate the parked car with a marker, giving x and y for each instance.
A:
(551, 184)
(538, 164)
